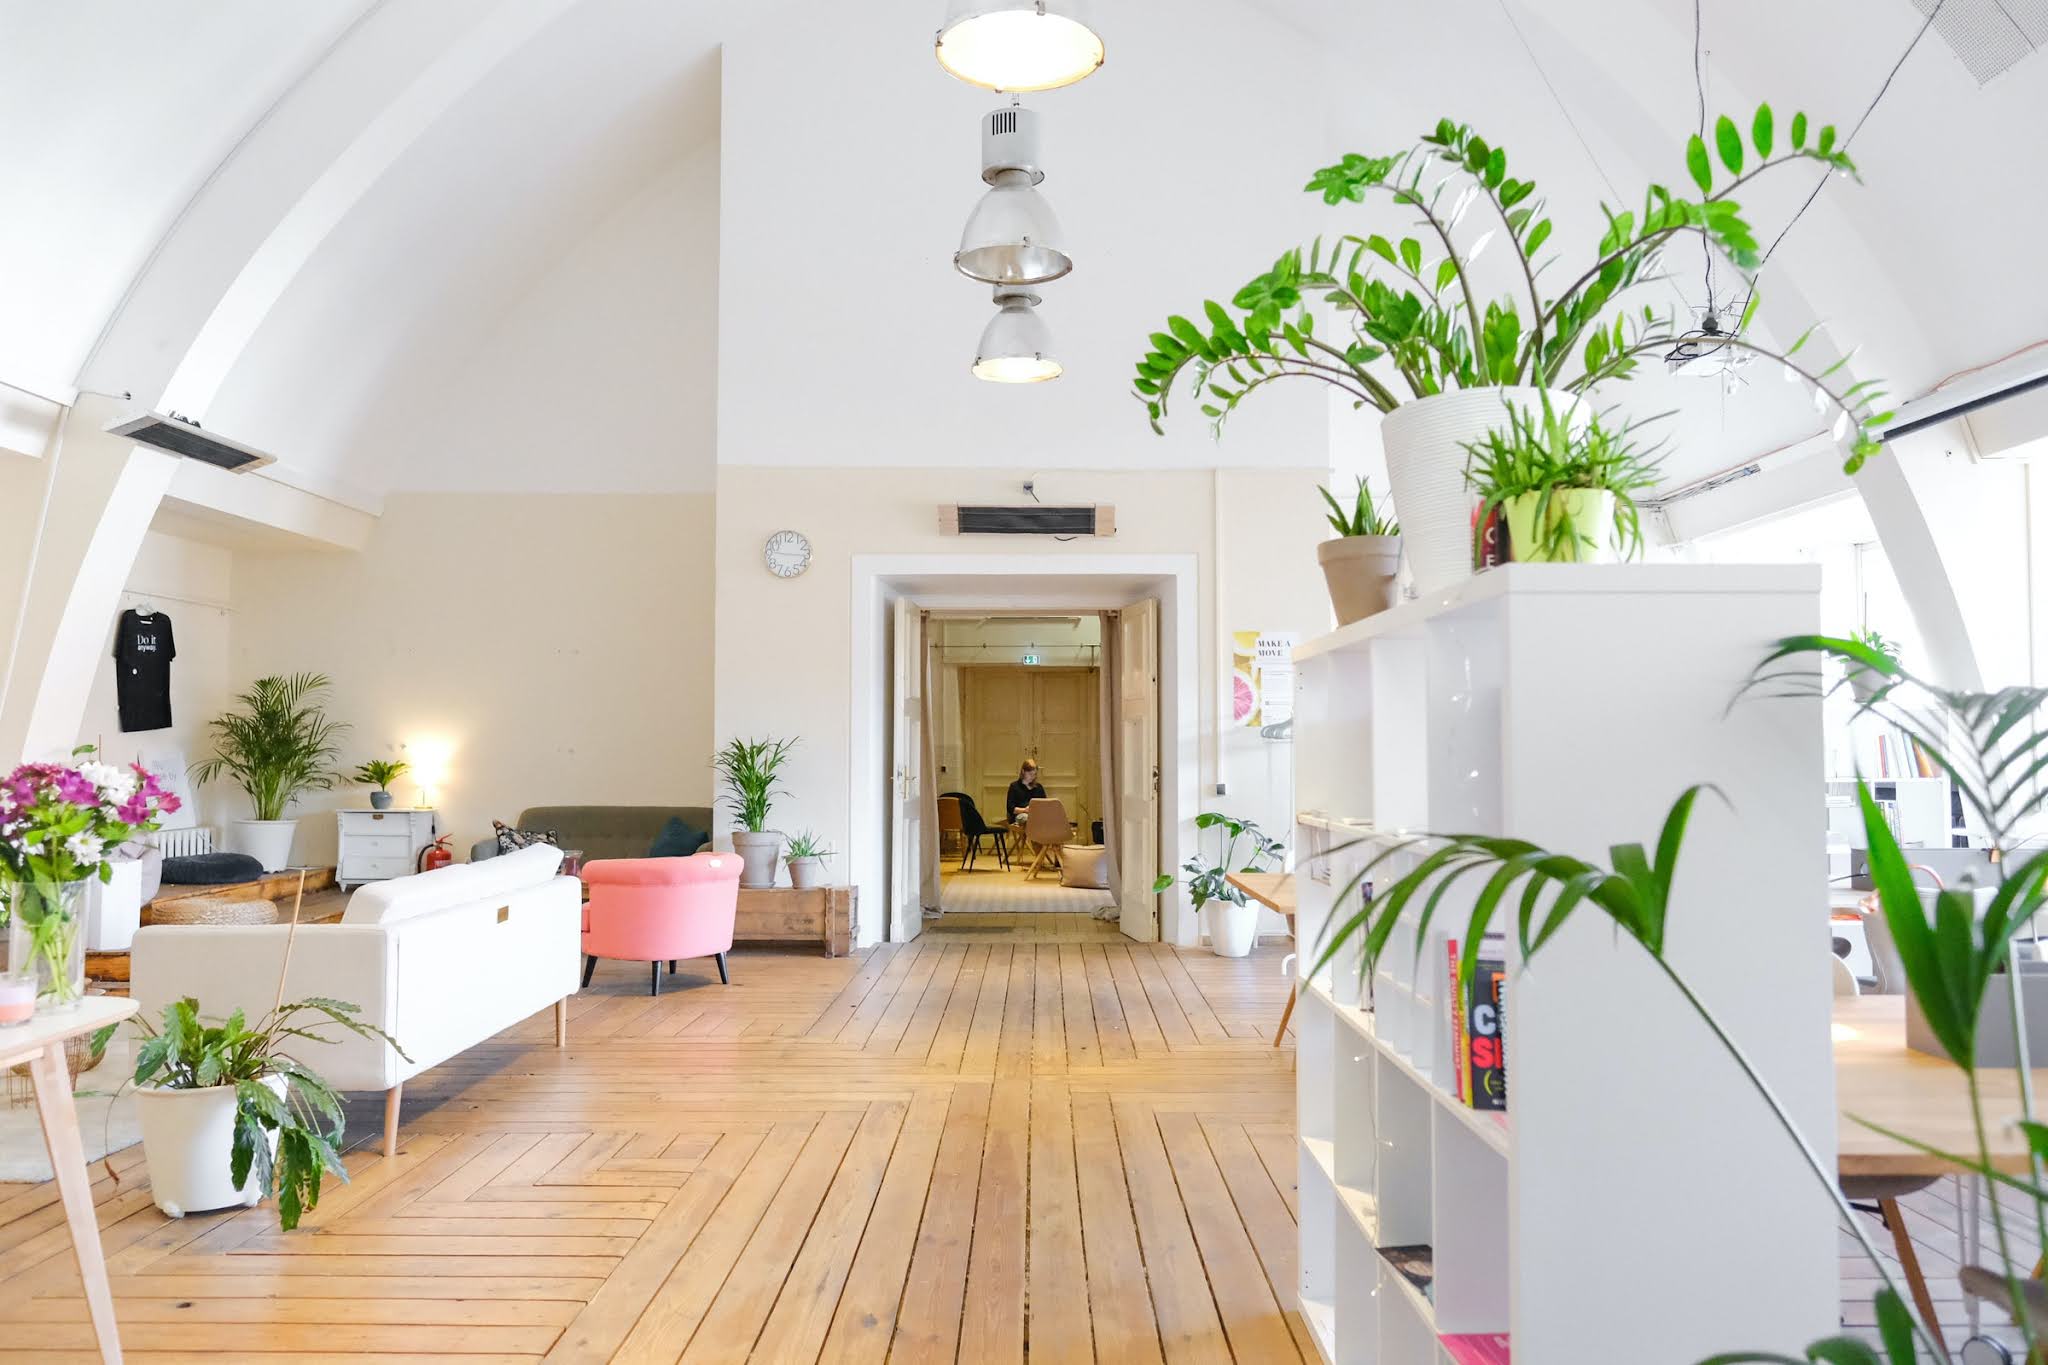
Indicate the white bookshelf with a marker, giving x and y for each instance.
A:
(1637, 1201)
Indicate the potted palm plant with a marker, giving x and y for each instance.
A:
(806, 855)
(380, 773)
(1361, 565)
(1565, 488)
(749, 768)
(1231, 923)
(1407, 326)
(277, 748)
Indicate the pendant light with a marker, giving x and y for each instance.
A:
(1013, 237)
(1016, 346)
(1019, 45)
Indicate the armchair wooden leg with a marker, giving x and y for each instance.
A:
(1909, 1261)
(562, 1022)
(723, 978)
(391, 1100)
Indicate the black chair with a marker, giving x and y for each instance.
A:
(975, 829)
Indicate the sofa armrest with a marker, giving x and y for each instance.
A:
(230, 967)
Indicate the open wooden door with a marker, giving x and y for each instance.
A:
(906, 717)
(1137, 766)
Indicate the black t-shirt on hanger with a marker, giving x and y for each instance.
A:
(143, 650)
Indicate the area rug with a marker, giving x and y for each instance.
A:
(106, 1122)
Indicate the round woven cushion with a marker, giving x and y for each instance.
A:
(212, 910)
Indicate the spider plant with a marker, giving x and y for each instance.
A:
(749, 768)
(1362, 518)
(280, 746)
(1537, 470)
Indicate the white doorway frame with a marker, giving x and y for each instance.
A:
(1049, 582)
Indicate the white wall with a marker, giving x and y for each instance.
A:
(544, 650)
(190, 583)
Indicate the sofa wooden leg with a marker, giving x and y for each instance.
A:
(562, 1022)
(391, 1099)
(655, 989)
(723, 978)
(589, 970)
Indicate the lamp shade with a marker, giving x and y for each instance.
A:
(1016, 346)
(1013, 236)
(1019, 46)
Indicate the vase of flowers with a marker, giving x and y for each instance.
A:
(60, 826)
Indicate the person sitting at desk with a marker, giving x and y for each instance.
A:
(1023, 791)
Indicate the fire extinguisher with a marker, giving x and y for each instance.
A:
(436, 855)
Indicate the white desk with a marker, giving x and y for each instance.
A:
(40, 1043)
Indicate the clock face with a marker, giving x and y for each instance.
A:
(787, 554)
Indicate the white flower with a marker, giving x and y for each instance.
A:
(89, 849)
(116, 784)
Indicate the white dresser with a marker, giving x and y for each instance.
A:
(376, 845)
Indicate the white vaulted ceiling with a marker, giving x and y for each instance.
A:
(457, 243)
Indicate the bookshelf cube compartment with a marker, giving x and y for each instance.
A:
(1403, 1157)
(1470, 1220)
(1314, 1078)
(1357, 1061)
(1357, 1304)
(1407, 1322)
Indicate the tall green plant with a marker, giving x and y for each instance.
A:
(280, 746)
(1409, 313)
(750, 768)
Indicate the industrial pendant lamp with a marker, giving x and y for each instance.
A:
(1016, 346)
(1019, 45)
(1013, 237)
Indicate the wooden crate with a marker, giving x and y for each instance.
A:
(783, 914)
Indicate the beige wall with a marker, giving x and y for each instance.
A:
(189, 582)
(783, 656)
(548, 648)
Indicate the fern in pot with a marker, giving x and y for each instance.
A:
(277, 748)
(1565, 487)
(1362, 566)
(751, 770)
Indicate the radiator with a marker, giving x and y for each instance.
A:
(183, 843)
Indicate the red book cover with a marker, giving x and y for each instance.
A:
(1478, 1348)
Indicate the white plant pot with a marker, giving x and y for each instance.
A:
(269, 842)
(1233, 929)
(806, 873)
(188, 1137)
(1425, 445)
(758, 855)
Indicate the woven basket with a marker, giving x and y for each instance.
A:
(80, 1056)
(212, 910)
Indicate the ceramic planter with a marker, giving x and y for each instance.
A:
(1426, 457)
(1587, 513)
(269, 842)
(1361, 572)
(1233, 929)
(380, 800)
(188, 1137)
(806, 873)
(758, 855)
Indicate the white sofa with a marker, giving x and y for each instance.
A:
(440, 961)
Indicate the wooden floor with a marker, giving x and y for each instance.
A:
(1002, 1141)
(989, 888)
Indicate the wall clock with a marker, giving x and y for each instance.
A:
(787, 554)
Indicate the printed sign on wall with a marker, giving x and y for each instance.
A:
(1262, 677)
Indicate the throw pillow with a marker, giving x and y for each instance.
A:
(211, 869)
(511, 840)
(678, 839)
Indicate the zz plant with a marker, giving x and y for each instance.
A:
(1409, 314)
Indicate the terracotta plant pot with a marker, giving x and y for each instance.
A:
(1588, 513)
(1362, 574)
(759, 853)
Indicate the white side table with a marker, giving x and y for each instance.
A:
(40, 1043)
(377, 845)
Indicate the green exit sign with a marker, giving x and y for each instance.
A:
(1030, 658)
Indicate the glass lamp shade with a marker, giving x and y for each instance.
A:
(1013, 237)
(1018, 46)
(1016, 346)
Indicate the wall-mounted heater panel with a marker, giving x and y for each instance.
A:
(1030, 520)
(191, 441)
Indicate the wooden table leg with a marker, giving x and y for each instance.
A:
(1285, 1015)
(1909, 1261)
(67, 1158)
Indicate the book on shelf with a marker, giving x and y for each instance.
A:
(1477, 1348)
(1457, 1024)
(1417, 1265)
(1478, 1031)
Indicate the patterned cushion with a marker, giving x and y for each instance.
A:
(511, 840)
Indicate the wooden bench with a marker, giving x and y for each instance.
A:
(783, 914)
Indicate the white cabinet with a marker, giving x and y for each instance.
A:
(377, 845)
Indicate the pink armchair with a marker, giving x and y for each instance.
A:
(657, 910)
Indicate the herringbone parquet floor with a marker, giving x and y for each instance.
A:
(1001, 1141)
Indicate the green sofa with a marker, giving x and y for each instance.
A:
(600, 831)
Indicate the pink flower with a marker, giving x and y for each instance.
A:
(76, 788)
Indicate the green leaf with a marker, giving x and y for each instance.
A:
(1729, 143)
(1826, 144)
(1761, 132)
(1894, 1326)
(1537, 236)
(1411, 255)
(1696, 162)
(1799, 131)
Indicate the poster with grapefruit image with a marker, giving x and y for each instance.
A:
(1261, 677)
